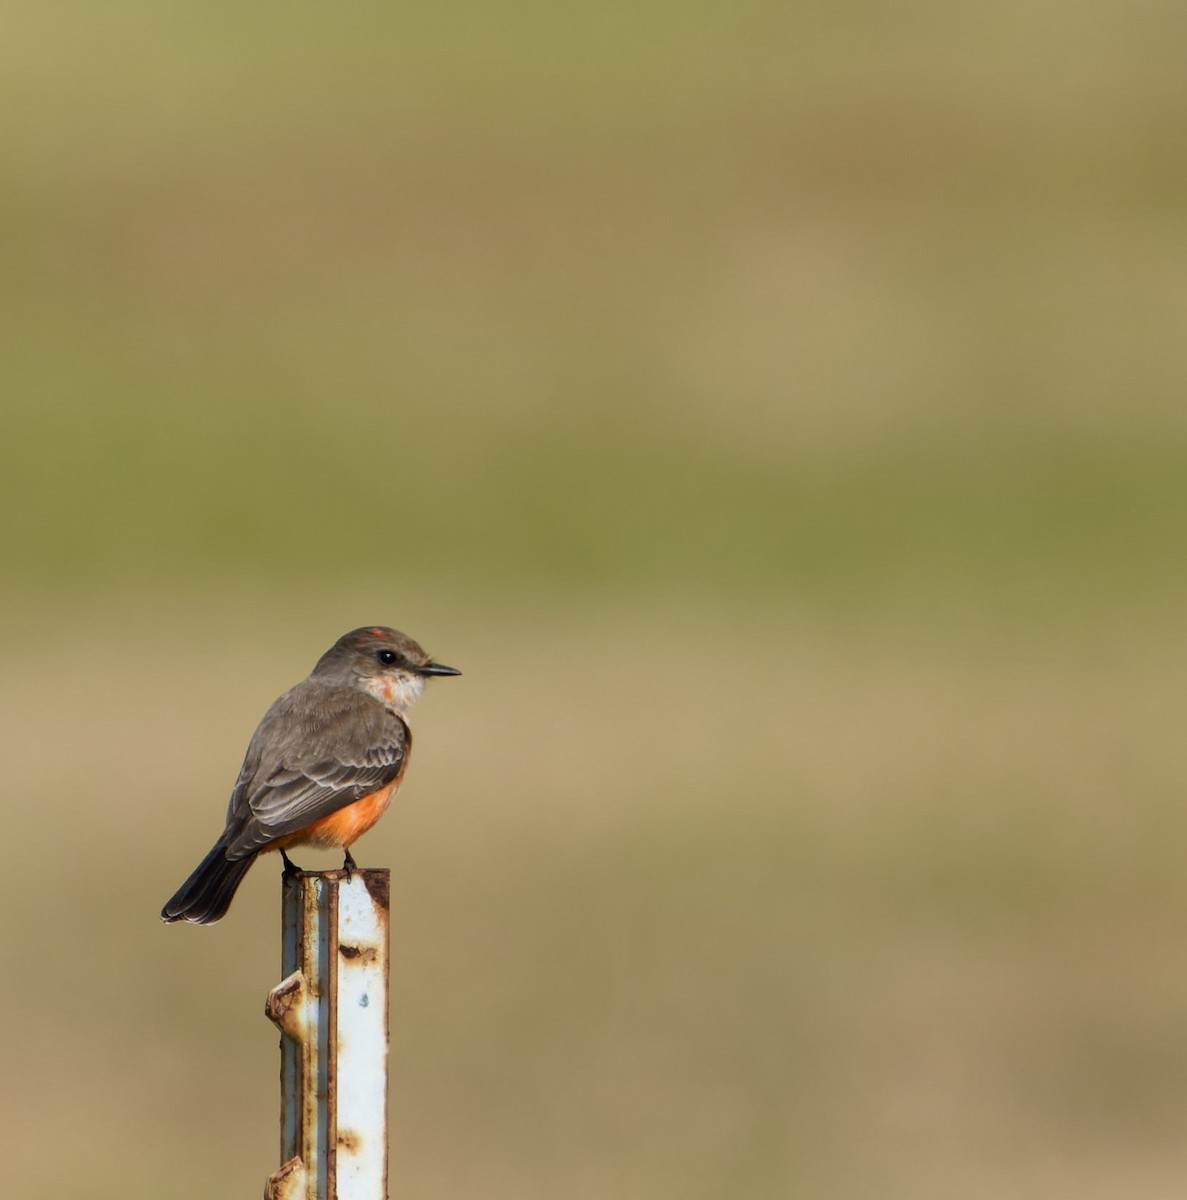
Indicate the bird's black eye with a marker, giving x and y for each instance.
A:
(387, 657)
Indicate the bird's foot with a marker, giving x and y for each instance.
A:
(348, 863)
(290, 867)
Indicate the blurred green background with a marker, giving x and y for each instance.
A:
(777, 411)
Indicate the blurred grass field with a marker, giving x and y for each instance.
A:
(778, 415)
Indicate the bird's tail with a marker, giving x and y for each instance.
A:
(205, 897)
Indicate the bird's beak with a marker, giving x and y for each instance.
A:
(436, 668)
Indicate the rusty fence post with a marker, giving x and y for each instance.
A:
(332, 1011)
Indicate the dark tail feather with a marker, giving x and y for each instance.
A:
(205, 897)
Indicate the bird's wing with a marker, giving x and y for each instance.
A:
(317, 750)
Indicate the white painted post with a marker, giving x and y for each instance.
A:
(332, 1010)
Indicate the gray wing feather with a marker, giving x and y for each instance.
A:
(318, 749)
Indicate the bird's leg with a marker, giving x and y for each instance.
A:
(348, 863)
(290, 867)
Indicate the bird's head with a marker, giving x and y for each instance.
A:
(383, 662)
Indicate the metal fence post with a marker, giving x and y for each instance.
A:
(332, 1010)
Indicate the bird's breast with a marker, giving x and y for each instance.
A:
(348, 824)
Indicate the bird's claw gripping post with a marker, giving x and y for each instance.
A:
(332, 1011)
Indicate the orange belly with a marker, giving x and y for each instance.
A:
(345, 826)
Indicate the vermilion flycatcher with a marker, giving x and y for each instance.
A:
(322, 766)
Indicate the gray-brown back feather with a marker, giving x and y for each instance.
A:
(320, 747)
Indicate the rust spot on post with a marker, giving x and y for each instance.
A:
(362, 954)
(284, 1000)
(378, 883)
(348, 1141)
(289, 1183)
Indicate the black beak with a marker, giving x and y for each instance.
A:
(436, 668)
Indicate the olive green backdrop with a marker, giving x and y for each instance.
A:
(777, 411)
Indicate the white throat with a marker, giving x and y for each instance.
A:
(398, 692)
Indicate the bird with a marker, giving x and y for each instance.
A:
(321, 767)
